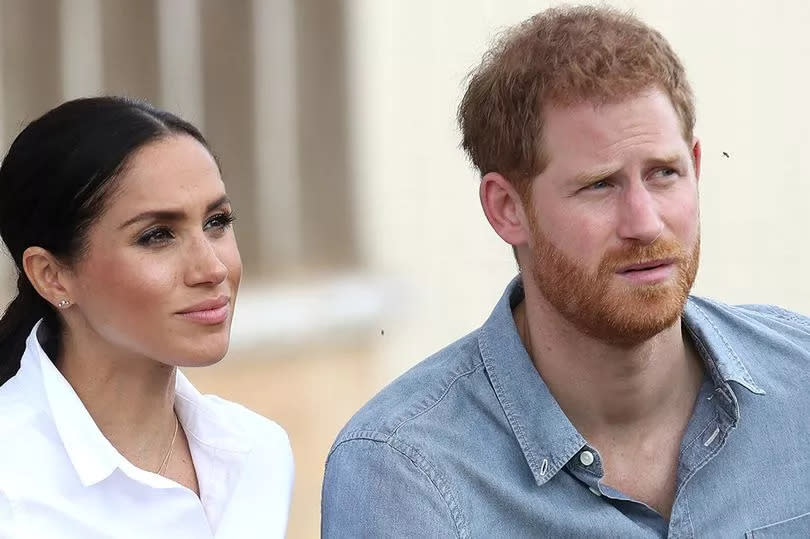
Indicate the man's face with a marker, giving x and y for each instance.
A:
(613, 218)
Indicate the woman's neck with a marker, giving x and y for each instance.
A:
(130, 398)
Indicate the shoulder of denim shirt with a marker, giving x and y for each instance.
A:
(755, 317)
(415, 393)
(766, 340)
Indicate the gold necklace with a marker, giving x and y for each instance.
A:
(171, 447)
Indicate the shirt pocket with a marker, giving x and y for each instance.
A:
(798, 527)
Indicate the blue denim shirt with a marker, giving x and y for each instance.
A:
(471, 443)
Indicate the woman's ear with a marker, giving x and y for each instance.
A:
(48, 276)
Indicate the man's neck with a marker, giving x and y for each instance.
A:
(632, 403)
(609, 391)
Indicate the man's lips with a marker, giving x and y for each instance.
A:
(650, 272)
(646, 266)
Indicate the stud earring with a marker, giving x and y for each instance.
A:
(63, 303)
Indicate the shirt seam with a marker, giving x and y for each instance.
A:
(597, 472)
(700, 436)
(12, 506)
(517, 426)
(436, 479)
(205, 443)
(706, 357)
(441, 397)
(785, 315)
(720, 442)
(688, 514)
(738, 362)
(752, 532)
(421, 463)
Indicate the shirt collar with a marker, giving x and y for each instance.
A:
(219, 446)
(546, 436)
(94, 457)
(91, 454)
(209, 425)
(711, 326)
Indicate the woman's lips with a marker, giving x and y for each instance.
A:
(208, 316)
(209, 312)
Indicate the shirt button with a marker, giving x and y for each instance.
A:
(586, 458)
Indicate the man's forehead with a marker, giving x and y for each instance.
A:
(583, 113)
(603, 132)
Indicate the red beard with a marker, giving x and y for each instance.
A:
(602, 305)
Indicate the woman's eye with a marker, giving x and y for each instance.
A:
(220, 221)
(157, 236)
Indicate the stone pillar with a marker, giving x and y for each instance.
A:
(80, 48)
(327, 209)
(278, 181)
(228, 105)
(179, 59)
(129, 43)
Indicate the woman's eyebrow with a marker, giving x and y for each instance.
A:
(170, 214)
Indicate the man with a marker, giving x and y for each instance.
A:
(599, 399)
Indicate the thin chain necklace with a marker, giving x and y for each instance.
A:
(165, 462)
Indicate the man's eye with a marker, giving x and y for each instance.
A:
(666, 172)
(601, 184)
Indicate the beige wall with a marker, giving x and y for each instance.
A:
(422, 222)
(407, 201)
(345, 119)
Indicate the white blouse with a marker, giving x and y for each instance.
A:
(60, 477)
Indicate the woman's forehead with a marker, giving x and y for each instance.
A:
(174, 171)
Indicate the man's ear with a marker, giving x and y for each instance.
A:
(503, 207)
(47, 275)
(696, 154)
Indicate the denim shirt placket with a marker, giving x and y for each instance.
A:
(714, 416)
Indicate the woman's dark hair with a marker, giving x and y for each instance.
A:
(54, 183)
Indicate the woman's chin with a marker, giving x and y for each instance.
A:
(201, 355)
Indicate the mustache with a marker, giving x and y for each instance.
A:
(630, 254)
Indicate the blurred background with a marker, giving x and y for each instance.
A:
(364, 246)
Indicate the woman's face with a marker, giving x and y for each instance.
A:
(161, 271)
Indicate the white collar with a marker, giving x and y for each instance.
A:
(94, 457)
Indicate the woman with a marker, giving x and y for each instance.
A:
(118, 223)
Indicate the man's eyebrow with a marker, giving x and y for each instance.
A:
(172, 215)
(593, 176)
(671, 160)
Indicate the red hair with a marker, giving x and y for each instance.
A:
(561, 56)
